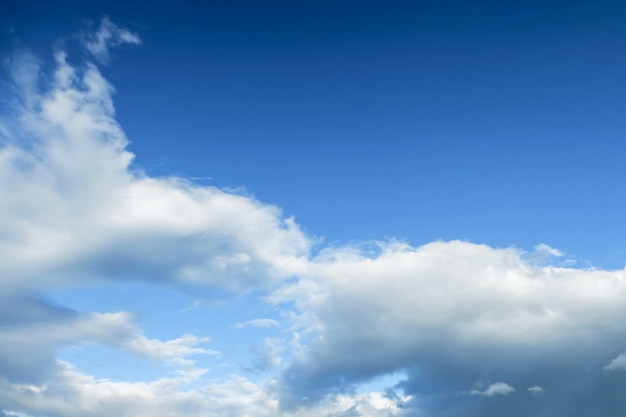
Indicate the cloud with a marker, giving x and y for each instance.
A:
(108, 35)
(257, 323)
(618, 363)
(544, 249)
(497, 388)
(77, 211)
(547, 255)
(449, 313)
(74, 211)
(37, 339)
(75, 394)
(536, 390)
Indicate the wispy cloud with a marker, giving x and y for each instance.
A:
(536, 390)
(618, 363)
(108, 35)
(257, 323)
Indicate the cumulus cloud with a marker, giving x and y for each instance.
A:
(449, 313)
(77, 210)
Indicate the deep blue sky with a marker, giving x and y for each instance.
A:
(496, 122)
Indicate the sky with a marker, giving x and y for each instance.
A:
(312, 209)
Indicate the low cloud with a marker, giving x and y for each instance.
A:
(448, 314)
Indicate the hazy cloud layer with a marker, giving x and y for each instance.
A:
(476, 330)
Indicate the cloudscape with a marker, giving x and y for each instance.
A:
(135, 286)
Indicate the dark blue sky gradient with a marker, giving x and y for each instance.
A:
(497, 122)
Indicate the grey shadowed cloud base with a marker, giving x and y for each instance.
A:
(475, 330)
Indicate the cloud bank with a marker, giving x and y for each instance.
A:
(476, 330)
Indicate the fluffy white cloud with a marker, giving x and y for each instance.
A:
(77, 211)
(450, 313)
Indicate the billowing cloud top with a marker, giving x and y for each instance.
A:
(474, 330)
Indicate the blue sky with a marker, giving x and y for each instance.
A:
(312, 208)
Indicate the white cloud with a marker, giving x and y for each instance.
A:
(109, 34)
(76, 394)
(38, 341)
(536, 390)
(257, 323)
(367, 404)
(547, 255)
(175, 348)
(497, 388)
(448, 312)
(547, 250)
(76, 210)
